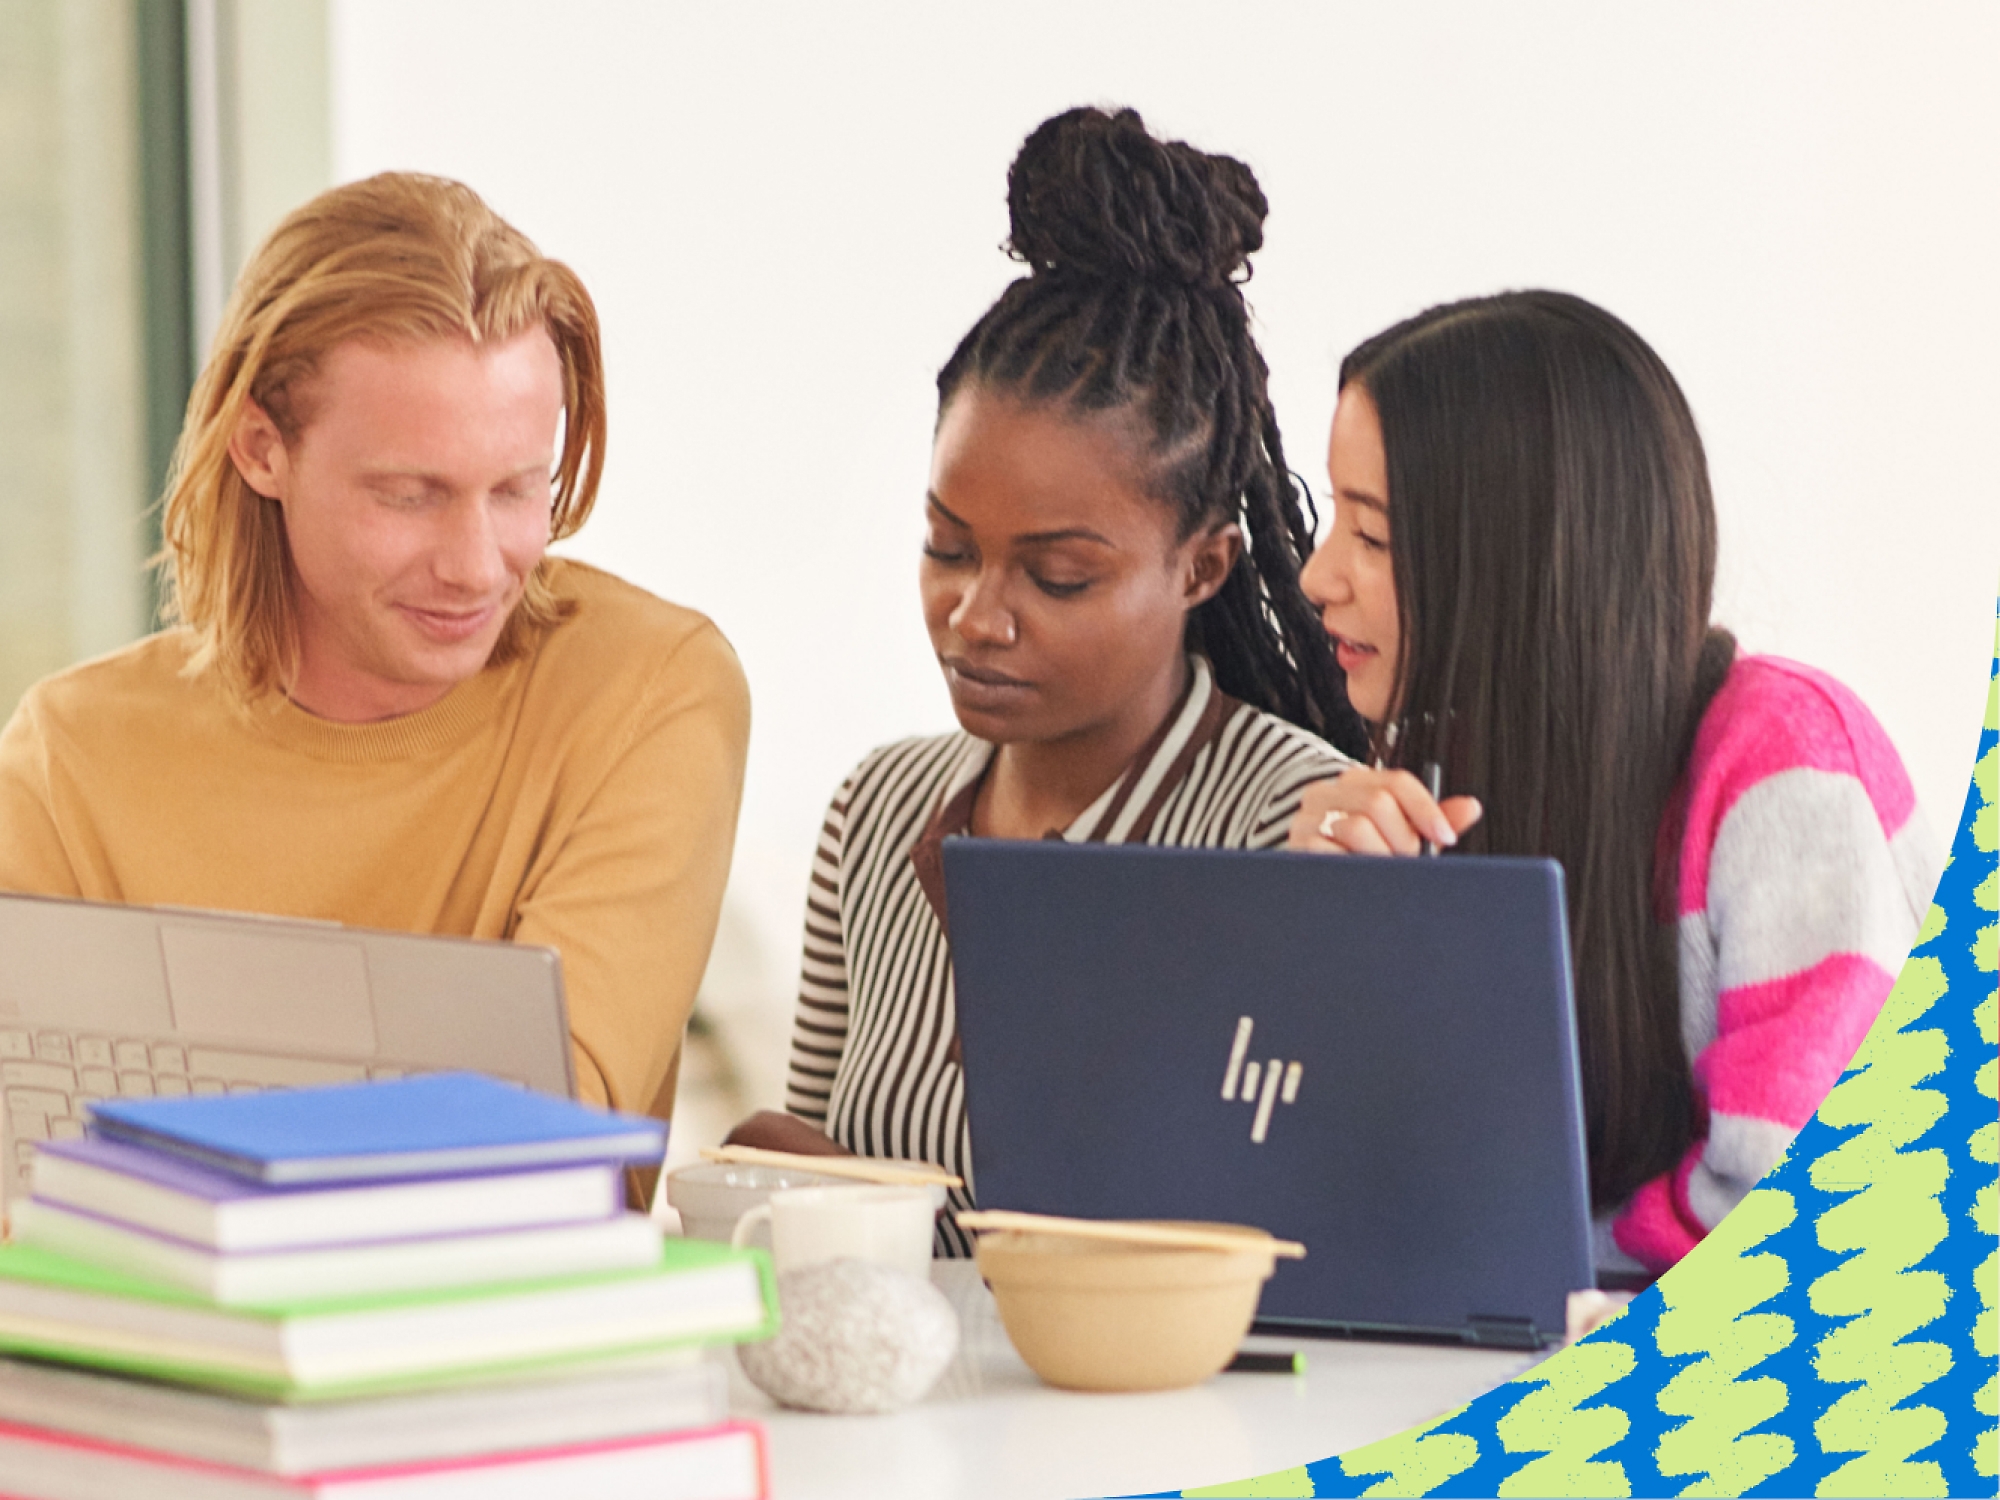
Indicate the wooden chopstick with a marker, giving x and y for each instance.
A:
(1129, 1230)
(861, 1168)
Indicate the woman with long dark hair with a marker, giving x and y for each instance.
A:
(1110, 582)
(1517, 580)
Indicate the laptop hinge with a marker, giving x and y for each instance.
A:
(1503, 1333)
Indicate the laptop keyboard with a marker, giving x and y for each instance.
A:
(50, 1076)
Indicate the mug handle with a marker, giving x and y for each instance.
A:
(751, 1218)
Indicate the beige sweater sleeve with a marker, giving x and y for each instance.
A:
(32, 856)
(632, 897)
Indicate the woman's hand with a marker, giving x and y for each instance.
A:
(1591, 1309)
(1366, 811)
(769, 1130)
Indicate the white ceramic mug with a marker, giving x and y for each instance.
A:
(890, 1226)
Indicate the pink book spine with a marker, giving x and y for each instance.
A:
(309, 1485)
(721, 1431)
(12, 1433)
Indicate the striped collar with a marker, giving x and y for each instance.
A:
(1125, 811)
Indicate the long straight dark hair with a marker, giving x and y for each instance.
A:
(1552, 537)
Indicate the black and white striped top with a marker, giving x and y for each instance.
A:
(874, 1059)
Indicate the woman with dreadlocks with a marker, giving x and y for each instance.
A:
(1110, 580)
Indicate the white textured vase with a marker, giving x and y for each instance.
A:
(853, 1337)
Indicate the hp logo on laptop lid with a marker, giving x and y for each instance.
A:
(1263, 1084)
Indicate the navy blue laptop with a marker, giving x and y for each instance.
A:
(1376, 1057)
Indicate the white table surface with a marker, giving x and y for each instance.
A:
(991, 1428)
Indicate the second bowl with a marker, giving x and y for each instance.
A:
(1101, 1315)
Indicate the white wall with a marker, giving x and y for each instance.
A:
(789, 214)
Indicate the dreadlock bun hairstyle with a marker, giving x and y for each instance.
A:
(1137, 249)
(1095, 194)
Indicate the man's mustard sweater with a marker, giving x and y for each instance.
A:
(583, 796)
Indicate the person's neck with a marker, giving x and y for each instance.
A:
(352, 698)
(1031, 788)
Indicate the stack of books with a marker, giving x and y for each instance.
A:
(426, 1287)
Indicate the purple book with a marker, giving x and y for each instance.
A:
(171, 1196)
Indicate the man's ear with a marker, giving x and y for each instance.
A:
(257, 449)
(1212, 555)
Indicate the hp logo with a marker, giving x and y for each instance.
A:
(1264, 1083)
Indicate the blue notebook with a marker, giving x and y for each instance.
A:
(436, 1124)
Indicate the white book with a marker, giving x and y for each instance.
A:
(724, 1462)
(624, 1242)
(205, 1207)
(595, 1402)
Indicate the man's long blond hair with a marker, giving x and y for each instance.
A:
(399, 257)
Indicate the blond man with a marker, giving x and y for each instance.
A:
(378, 700)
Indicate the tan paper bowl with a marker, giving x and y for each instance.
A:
(1096, 1315)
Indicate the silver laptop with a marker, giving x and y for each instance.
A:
(100, 1000)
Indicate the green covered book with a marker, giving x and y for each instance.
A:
(56, 1307)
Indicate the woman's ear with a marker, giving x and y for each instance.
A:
(257, 449)
(1210, 557)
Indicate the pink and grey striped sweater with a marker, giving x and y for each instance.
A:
(1805, 869)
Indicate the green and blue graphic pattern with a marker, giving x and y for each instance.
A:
(1836, 1334)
